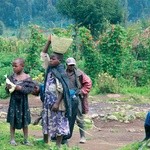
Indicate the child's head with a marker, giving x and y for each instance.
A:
(55, 59)
(18, 65)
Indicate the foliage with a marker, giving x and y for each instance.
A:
(113, 54)
(140, 52)
(121, 59)
(89, 53)
(9, 44)
(63, 32)
(92, 14)
(9, 48)
(15, 13)
(33, 53)
(39, 78)
(113, 51)
(22, 12)
(3, 92)
(107, 84)
(133, 146)
(143, 145)
(138, 9)
(144, 90)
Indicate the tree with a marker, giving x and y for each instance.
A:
(138, 9)
(18, 16)
(93, 14)
(1, 27)
(126, 13)
(114, 51)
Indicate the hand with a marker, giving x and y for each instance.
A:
(55, 107)
(78, 92)
(36, 90)
(8, 86)
(18, 88)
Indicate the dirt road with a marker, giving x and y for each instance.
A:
(113, 134)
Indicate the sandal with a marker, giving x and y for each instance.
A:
(13, 143)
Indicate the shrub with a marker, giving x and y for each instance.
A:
(39, 78)
(107, 84)
(5, 70)
(3, 93)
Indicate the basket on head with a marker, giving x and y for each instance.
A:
(60, 44)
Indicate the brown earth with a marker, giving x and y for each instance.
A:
(104, 135)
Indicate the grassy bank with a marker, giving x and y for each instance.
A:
(37, 144)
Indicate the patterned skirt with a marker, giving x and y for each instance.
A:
(55, 123)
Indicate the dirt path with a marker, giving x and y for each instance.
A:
(113, 134)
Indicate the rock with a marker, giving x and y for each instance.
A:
(101, 115)
(3, 114)
(131, 130)
(128, 107)
(126, 121)
(113, 95)
(108, 108)
(94, 116)
(112, 117)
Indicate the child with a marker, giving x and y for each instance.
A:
(18, 112)
(56, 104)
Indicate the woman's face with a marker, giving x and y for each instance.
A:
(54, 61)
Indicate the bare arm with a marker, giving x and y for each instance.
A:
(45, 50)
(55, 107)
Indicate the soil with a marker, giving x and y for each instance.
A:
(104, 135)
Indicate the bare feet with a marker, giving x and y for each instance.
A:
(37, 121)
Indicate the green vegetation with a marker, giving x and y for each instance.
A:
(134, 146)
(108, 46)
(115, 63)
(90, 13)
(93, 17)
(37, 144)
(137, 146)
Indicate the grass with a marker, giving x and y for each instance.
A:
(136, 90)
(133, 146)
(137, 146)
(37, 144)
(128, 94)
(131, 99)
